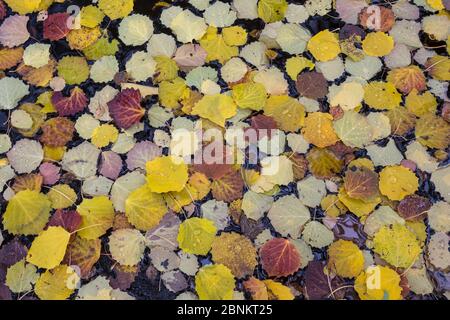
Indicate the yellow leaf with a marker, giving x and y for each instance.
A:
(382, 95)
(62, 196)
(439, 68)
(116, 9)
(216, 47)
(54, 153)
(378, 283)
(97, 216)
(397, 245)
(272, 10)
(57, 284)
(196, 236)
(295, 65)
(250, 96)
(214, 282)
(288, 113)
(172, 92)
(436, 4)
(91, 16)
(319, 129)
(23, 7)
(277, 291)
(104, 135)
(166, 69)
(165, 174)
(324, 46)
(359, 207)
(323, 163)
(421, 104)
(378, 44)
(27, 213)
(145, 209)
(216, 108)
(80, 39)
(397, 182)
(234, 36)
(345, 259)
(21, 276)
(49, 247)
(433, 131)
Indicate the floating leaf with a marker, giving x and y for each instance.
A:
(217, 108)
(324, 46)
(10, 57)
(286, 111)
(126, 108)
(235, 252)
(214, 282)
(48, 248)
(397, 182)
(13, 31)
(57, 132)
(397, 245)
(229, 187)
(345, 259)
(57, 284)
(378, 283)
(361, 183)
(145, 209)
(196, 236)
(279, 257)
(97, 216)
(319, 130)
(433, 131)
(74, 70)
(56, 26)
(127, 246)
(272, 10)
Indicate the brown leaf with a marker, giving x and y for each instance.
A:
(368, 18)
(312, 85)
(57, 132)
(228, 188)
(408, 78)
(361, 183)
(28, 182)
(299, 165)
(83, 253)
(39, 77)
(414, 207)
(10, 57)
(256, 288)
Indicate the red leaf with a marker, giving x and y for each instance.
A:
(279, 258)
(213, 167)
(68, 106)
(126, 108)
(55, 26)
(69, 220)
